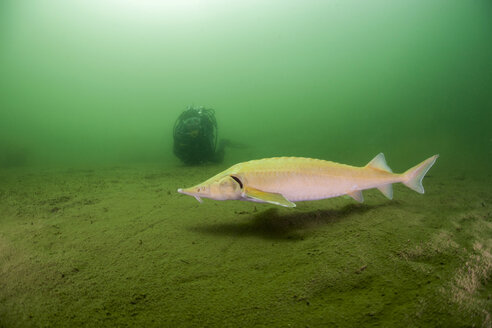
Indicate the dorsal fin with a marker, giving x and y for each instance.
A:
(379, 162)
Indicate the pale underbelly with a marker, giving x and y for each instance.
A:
(303, 188)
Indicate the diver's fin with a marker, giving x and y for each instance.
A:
(387, 190)
(357, 195)
(379, 162)
(267, 197)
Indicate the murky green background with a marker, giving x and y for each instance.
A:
(104, 81)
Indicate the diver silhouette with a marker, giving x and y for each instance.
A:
(195, 137)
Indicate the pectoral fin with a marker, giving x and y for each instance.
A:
(267, 197)
(357, 195)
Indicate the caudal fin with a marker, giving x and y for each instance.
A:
(412, 178)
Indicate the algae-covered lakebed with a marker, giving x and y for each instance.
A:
(117, 246)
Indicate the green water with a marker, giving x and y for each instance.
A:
(104, 81)
(92, 231)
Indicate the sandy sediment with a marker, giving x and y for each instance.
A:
(117, 246)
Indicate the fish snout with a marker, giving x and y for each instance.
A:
(186, 191)
(190, 193)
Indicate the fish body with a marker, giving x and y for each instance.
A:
(285, 180)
